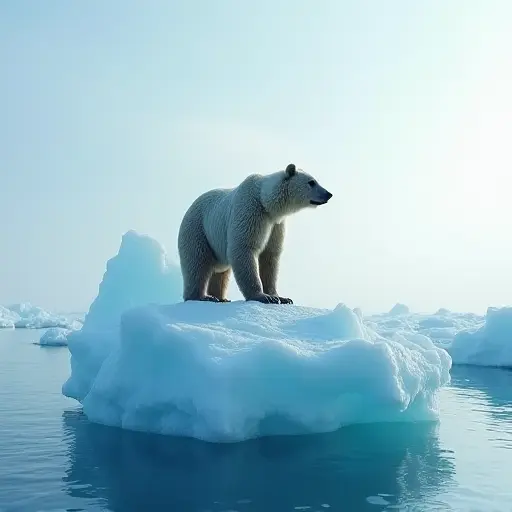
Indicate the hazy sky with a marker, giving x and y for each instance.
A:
(116, 114)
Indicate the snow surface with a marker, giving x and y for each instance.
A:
(489, 344)
(27, 316)
(144, 360)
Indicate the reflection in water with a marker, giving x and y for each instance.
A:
(477, 425)
(127, 471)
(495, 382)
(496, 386)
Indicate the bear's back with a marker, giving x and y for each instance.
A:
(219, 206)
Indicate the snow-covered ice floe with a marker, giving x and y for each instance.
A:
(27, 316)
(228, 372)
(489, 344)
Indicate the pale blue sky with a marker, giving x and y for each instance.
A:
(116, 114)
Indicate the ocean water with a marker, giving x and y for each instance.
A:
(52, 458)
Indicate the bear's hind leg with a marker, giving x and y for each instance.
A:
(218, 286)
(197, 264)
(196, 289)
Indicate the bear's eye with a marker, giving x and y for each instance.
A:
(311, 183)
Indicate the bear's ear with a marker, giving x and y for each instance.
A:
(290, 170)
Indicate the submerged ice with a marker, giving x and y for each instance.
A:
(146, 361)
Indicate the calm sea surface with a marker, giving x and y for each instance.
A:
(52, 458)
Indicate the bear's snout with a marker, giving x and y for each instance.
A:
(322, 197)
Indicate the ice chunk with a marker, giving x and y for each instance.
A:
(488, 345)
(230, 372)
(55, 337)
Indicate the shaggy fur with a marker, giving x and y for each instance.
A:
(241, 230)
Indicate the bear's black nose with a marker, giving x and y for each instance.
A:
(328, 195)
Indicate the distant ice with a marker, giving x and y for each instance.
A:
(144, 360)
(441, 327)
(469, 338)
(7, 318)
(489, 344)
(399, 309)
(27, 316)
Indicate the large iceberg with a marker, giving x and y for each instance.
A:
(144, 360)
(489, 344)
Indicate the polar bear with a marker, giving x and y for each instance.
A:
(242, 230)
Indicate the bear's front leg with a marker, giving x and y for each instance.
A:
(269, 263)
(268, 267)
(245, 270)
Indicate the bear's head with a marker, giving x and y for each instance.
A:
(289, 191)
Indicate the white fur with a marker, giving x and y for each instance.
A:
(242, 230)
